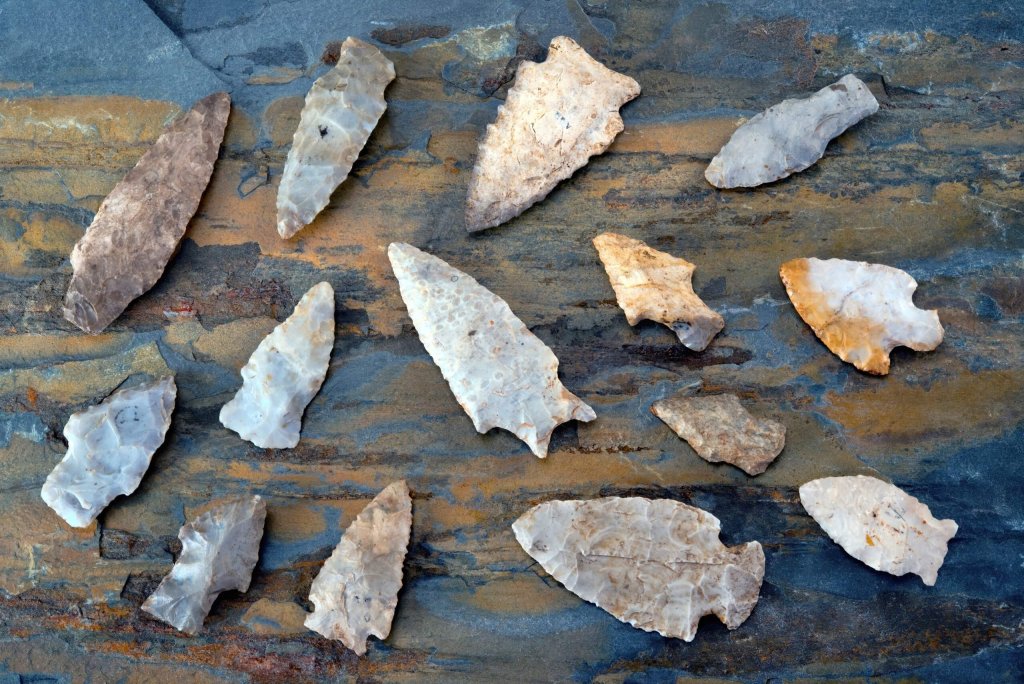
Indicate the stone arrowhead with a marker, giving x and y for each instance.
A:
(284, 374)
(356, 592)
(720, 430)
(879, 524)
(655, 286)
(110, 446)
(219, 550)
(558, 114)
(790, 136)
(342, 109)
(860, 311)
(656, 564)
(500, 372)
(137, 228)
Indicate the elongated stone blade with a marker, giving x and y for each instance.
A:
(284, 374)
(559, 114)
(655, 286)
(500, 372)
(356, 592)
(720, 430)
(110, 446)
(342, 109)
(879, 524)
(139, 225)
(219, 550)
(860, 311)
(790, 136)
(656, 564)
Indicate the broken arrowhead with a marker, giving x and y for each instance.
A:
(219, 550)
(860, 311)
(879, 524)
(342, 109)
(656, 564)
(356, 592)
(720, 429)
(790, 136)
(558, 114)
(656, 286)
(284, 374)
(138, 226)
(110, 446)
(500, 372)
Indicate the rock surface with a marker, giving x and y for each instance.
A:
(284, 374)
(500, 372)
(558, 114)
(860, 311)
(356, 592)
(790, 136)
(219, 550)
(656, 286)
(137, 228)
(655, 563)
(720, 430)
(342, 109)
(879, 524)
(110, 446)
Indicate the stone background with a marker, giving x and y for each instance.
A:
(934, 184)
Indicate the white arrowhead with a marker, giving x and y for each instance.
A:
(110, 446)
(284, 374)
(500, 372)
(656, 564)
(356, 592)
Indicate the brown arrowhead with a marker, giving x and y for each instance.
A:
(138, 226)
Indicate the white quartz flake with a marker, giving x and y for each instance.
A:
(879, 524)
(284, 374)
(656, 564)
(356, 592)
(342, 109)
(558, 114)
(790, 136)
(219, 550)
(500, 372)
(110, 446)
(860, 311)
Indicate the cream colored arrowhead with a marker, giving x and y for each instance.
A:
(219, 550)
(860, 311)
(879, 524)
(656, 564)
(558, 114)
(284, 374)
(790, 136)
(110, 446)
(500, 372)
(342, 109)
(656, 286)
(356, 592)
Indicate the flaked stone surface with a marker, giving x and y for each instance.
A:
(879, 524)
(655, 286)
(720, 430)
(860, 311)
(284, 374)
(342, 109)
(790, 136)
(110, 446)
(655, 563)
(138, 226)
(219, 550)
(356, 592)
(500, 372)
(557, 115)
